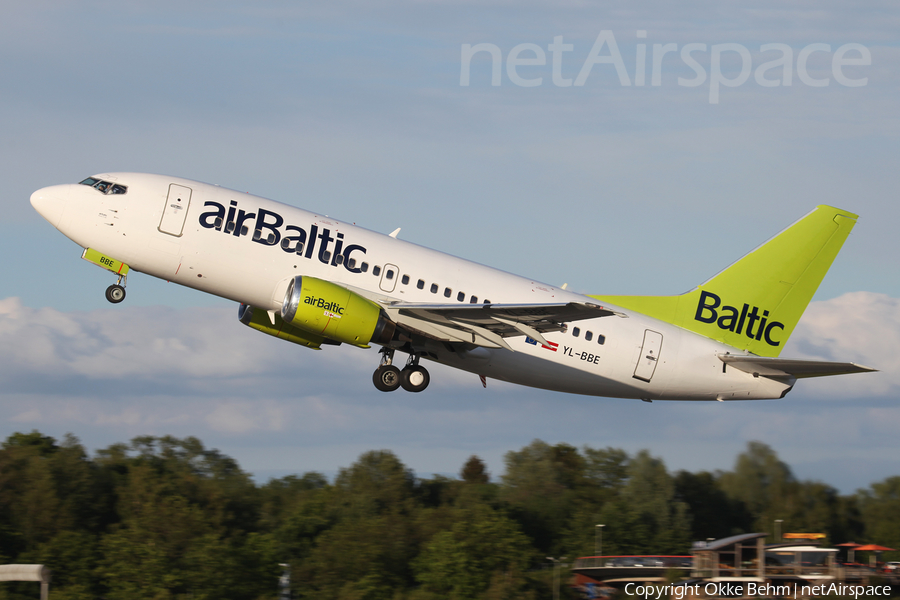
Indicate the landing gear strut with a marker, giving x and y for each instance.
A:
(388, 378)
(116, 292)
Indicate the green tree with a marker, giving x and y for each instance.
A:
(605, 475)
(713, 513)
(647, 518)
(541, 485)
(763, 483)
(880, 507)
(366, 554)
(475, 471)
(187, 519)
(483, 554)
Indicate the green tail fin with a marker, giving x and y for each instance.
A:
(755, 303)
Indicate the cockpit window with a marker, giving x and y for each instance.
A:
(105, 187)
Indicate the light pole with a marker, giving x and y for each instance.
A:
(556, 566)
(778, 523)
(598, 541)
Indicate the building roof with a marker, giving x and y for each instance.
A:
(724, 542)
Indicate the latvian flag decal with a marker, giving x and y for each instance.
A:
(553, 345)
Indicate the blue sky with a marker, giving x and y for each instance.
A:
(356, 110)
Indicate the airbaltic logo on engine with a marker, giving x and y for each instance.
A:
(332, 309)
(269, 230)
(730, 318)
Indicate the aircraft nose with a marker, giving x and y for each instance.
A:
(49, 204)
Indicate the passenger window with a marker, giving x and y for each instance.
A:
(364, 267)
(405, 280)
(327, 256)
(588, 335)
(447, 292)
(351, 263)
(219, 225)
(473, 300)
(601, 339)
(339, 259)
(434, 288)
(461, 297)
(576, 332)
(420, 284)
(487, 302)
(376, 270)
(389, 274)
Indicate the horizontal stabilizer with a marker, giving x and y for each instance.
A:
(787, 367)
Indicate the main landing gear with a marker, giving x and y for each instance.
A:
(116, 292)
(387, 377)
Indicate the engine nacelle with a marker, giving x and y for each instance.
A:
(330, 310)
(259, 320)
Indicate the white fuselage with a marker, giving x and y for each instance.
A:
(187, 244)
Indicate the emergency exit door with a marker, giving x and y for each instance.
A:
(176, 209)
(646, 364)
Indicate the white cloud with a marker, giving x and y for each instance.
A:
(860, 327)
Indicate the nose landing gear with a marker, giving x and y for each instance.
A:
(116, 292)
(387, 377)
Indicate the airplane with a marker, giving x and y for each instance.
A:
(316, 281)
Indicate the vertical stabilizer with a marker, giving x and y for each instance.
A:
(755, 303)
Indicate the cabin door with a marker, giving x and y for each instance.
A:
(646, 364)
(175, 211)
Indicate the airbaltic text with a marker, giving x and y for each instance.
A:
(269, 230)
(661, 592)
(731, 319)
(332, 307)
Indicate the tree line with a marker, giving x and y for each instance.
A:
(166, 518)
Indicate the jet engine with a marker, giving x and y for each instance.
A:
(260, 321)
(332, 311)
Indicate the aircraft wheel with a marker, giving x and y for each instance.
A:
(414, 378)
(386, 378)
(115, 293)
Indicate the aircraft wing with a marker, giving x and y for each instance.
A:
(488, 324)
(787, 367)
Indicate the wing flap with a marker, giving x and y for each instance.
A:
(788, 367)
(488, 324)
